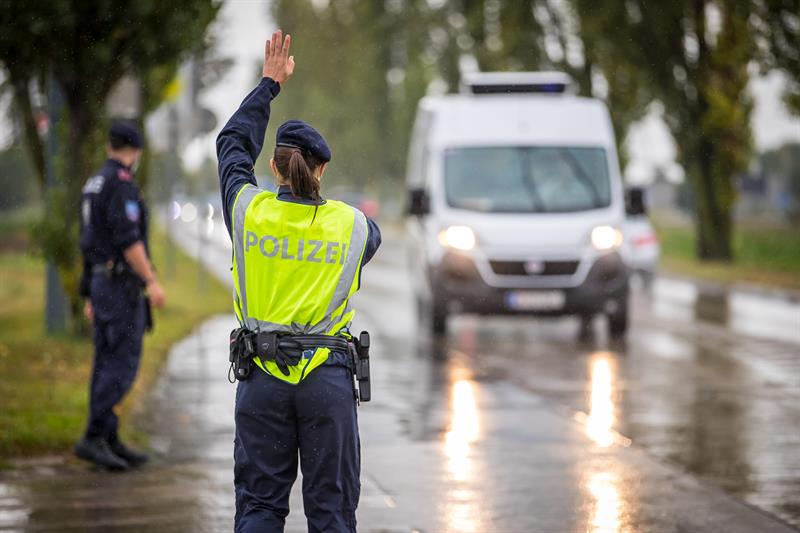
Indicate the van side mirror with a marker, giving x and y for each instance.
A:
(634, 202)
(418, 202)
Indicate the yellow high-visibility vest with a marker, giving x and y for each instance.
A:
(294, 276)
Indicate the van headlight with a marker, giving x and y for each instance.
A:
(458, 237)
(606, 237)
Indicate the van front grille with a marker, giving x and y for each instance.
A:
(543, 268)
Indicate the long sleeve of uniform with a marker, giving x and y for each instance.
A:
(373, 241)
(123, 215)
(240, 141)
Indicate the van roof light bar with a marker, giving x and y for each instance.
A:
(516, 83)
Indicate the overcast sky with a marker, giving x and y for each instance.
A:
(241, 30)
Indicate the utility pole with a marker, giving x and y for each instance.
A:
(171, 176)
(55, 299)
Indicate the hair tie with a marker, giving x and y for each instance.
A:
(300, 149)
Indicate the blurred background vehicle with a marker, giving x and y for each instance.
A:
(367, 204)
(642, 251)
(517, 202)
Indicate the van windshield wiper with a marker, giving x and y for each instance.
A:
(527, 180)
(569, 157)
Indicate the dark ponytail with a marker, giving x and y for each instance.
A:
(298, 169)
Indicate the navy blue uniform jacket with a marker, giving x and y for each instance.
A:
(238, 146)
(113, 217)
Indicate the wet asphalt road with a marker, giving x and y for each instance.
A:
(507, 425)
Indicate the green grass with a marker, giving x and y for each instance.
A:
(764, 255)
(44, 380)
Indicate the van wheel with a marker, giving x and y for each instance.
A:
(618, 320)
(432, 316)
(438, 319)
(438, 316)
(585, 330)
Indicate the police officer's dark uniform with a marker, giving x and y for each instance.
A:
(113, 217)
(274, 419)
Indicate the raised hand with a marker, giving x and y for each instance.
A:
(278, 64)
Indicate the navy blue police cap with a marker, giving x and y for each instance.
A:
(125, 133)
(298, 134)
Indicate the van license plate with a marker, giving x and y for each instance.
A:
(535, 300)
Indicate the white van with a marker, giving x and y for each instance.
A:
(517, 202)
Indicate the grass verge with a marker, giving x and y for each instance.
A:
(764, 255)
(44, 379)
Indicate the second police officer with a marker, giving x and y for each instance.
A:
(117, 268)
(297, 260)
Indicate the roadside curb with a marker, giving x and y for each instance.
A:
(754, 289)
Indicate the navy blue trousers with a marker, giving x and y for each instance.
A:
(274, 422)
(119, 324)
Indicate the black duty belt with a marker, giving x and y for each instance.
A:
(297, 344)
(132, 284)
(103, 268)
(287, 350)
(115, 269)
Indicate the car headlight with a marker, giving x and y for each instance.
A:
(458, 237)
(606, 237)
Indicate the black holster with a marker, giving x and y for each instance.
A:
(242, 351)
(131, 283)
(360, 354)
(134, 287)
(148, 315)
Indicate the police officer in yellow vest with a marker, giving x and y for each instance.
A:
(297, 260)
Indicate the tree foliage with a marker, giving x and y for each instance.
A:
(776, 24)
(693, 56)
(85, 47)
(363, 66)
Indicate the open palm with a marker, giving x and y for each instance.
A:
(278, 64)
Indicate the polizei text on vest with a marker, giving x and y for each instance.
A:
(313, 251)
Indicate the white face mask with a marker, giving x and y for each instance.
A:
(135, 165)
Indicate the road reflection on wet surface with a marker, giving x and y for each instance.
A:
(463, 432)
(600, 422)
(708, 381)
(685, 386)
(603, 484)
(607, 511)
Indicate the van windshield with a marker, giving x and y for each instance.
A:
(527, 179)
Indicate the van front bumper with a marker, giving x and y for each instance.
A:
(457, 283)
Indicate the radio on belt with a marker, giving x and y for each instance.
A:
(362, 367)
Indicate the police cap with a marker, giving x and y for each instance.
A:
(125, 133)
(298, 134)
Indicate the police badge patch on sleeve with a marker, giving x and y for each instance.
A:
(132, 210)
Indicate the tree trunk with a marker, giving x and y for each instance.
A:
(77, 162)
(722, 126)
(712, 215)
(22, 100)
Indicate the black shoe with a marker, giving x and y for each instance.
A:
(98, 451)
(132, 457)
